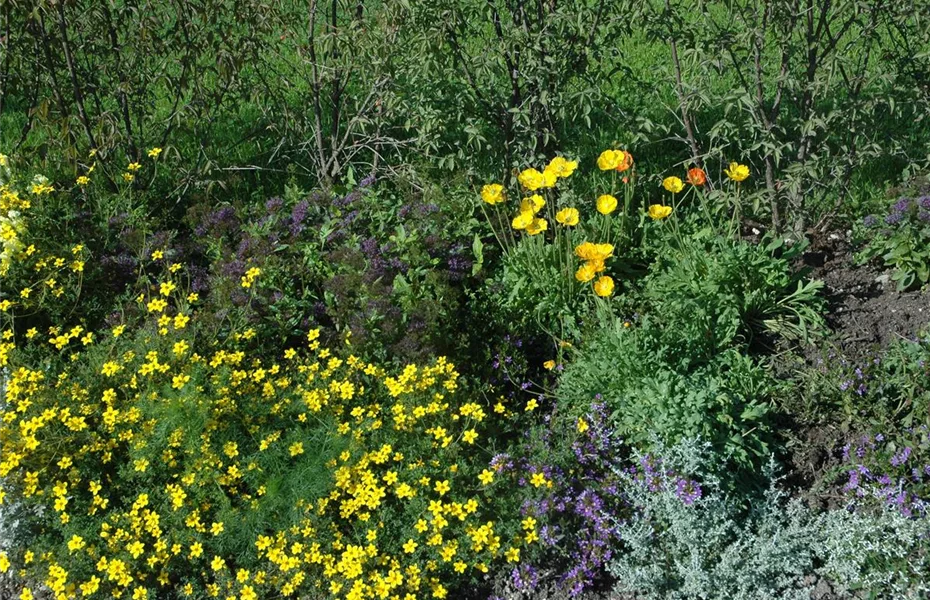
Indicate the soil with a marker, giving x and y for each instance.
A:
(865, 311)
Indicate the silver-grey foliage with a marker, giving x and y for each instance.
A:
(714, 549)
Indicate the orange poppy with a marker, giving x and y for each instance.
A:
(626, 163)
(697, 176)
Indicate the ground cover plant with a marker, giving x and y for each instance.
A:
(464, 299)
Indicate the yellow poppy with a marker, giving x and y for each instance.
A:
(585, 273)
(522, 220)
(537, 226)
(610, 160)
(533, 204)
(604, 286)
(606, 204)
(737, 172)
(657, 211)
(549, 178)
(567, 217)
(673, 184)
(531, 179)
(493, 193)
(562, 167)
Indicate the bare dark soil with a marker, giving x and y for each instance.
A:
(865, 311)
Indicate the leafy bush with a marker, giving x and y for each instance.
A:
(156, 453)
(712, 548)
(176, 451)
(901, 239)
(680, 370)
(723, 400)
(709, 547)
(388, 267)
(715, 294)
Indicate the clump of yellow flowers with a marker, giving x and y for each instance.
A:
(542, 202)
(163, 461)
(144, 480)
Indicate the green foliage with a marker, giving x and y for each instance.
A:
(885, 392)
(797, 93)
(649, 391)
(716, 549)
(714, 293)
(902, 238)
(880, 555)
(680, 369)
(713, 548)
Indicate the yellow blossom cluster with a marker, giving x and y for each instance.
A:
(146, 447)
(594, 256)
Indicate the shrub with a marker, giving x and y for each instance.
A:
(151, 458)
(169, 454)
(714, 293)
(901, 238)
(710, 547)
(882, 555)
(713, 548)
(724, 400)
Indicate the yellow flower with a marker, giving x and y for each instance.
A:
(512, 555)
(83, 180)
(594, 252)
(523, 220)
(410, 546)
(585, 272)
(154, 152)
(737, 172)
(493, 193)
(538, 479)
(133, 166)
(562, 167)
(549, 365)
(486, 477)
(673, 184)
(217, 563)
(442, 487)
(604, 286)
(537, 226)
(606, 204)
(531, 179)
(532, 204)
(76, 543)
(196, 549)
(657, 211)
(531, 405)
(567, 217)
(158, 255)
(296, 448)
(128, 177)
(610, 160)
(582, 425)
(549, 178)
